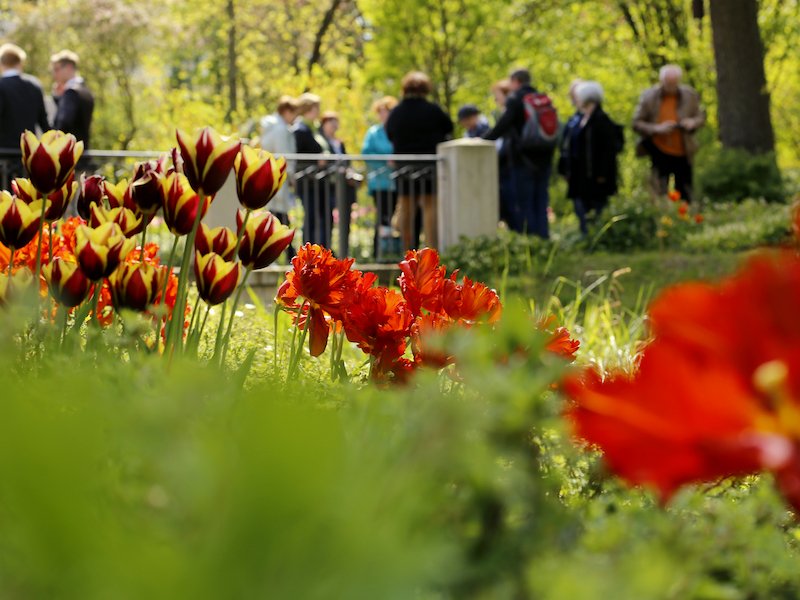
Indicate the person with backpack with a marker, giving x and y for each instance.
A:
(529, 127)
(589, 154)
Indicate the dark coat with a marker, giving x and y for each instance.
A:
(509, 127)
(74, 114)
(306, 143)
(417, 126)
(592, 165)
(21, 108)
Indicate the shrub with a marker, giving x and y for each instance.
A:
(731, 175)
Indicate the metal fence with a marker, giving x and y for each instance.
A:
(343, 201)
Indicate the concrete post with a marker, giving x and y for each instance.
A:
(222, 211)
(468, 197)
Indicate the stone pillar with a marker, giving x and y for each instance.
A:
(223, 209)
(468, 195)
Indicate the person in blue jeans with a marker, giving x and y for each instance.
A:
(529, 171)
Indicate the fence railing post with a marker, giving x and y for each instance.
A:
(468, 198)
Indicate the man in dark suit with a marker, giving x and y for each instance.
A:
(21, 105)
(74, 100)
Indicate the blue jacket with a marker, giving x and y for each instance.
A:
(378, 171)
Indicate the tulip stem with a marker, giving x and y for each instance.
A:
(65, 318)
(39, 242)
(240, 232)
(164, 286)
(298, 352)
(175, 334)
(144, 238)
(275, 334)
(203, 324)
(98, 288)
(226, 340)
(220, 328)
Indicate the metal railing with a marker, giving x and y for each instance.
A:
(340, 195)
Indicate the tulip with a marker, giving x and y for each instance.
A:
(216, 278)
(145, 188)
(136, 285)
(128, 221)
(50, 159)
(19, 222)
(180, 203)
(93, 189)
(118, 194)
(259, 176)
(220, 240)
(10, 285)
(263, 240)
(208, 159)
(100, 250)
(59, 201)
(67, 283)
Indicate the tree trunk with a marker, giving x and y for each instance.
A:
(743, 99)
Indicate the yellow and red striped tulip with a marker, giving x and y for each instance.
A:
(129, 222)
(51, 159)
(19, 221)
(119, 195)
(215, 277)
(92, 192)
(180, 203)
(18, 282)
(101, 249)
(59, 201)
(263, 241)
(67, 283)
(207, 159)
(145, 188)
(259, 176)
(136, 285)
(220, 240)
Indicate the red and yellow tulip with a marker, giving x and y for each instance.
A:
(216, 278)
(136, 285)
(19, 221)
(263, 240)
(180, 203)
(101, 249)
(59, 201)
(129, 222)
(207, 159)
(51, 159)
(67, 283)
(220, 240)
(18, 282)
(92, 192)
(259, 176)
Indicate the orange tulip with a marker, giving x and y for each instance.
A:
(421, 280)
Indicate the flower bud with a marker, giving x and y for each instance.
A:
(180, 203)
(19, 222)
(220, 240)
(208, 159)
(92, 192)
(215, 277)
(128, 222)
(51, 159)
(101, 249)
(67, 283)
(263, 241)
(259, 176)
(136, 285)
(145, 188)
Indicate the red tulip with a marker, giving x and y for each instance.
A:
(208, 159)
(136, 285)
(92, 192)
(145, 188)
(67, 283)
(259, 176)
(216, 278)
(220, 240)
(180, 203)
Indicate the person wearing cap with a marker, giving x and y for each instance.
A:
(472, 121)
(21, 101)
(74, 100)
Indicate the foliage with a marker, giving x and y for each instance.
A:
(728, 175)
(747, 225)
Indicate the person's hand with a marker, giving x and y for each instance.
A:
(687, 124)
(322, 163)
(58, 89)
(666, 126)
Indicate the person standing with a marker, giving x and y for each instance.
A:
(340, 176)
(417, 126)
(379, 182)
(21, 104)
(529, 168)
(667, 117)
(591, 159)
(74, 101)
(277, 137)
(473, 123)
(310, 187)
